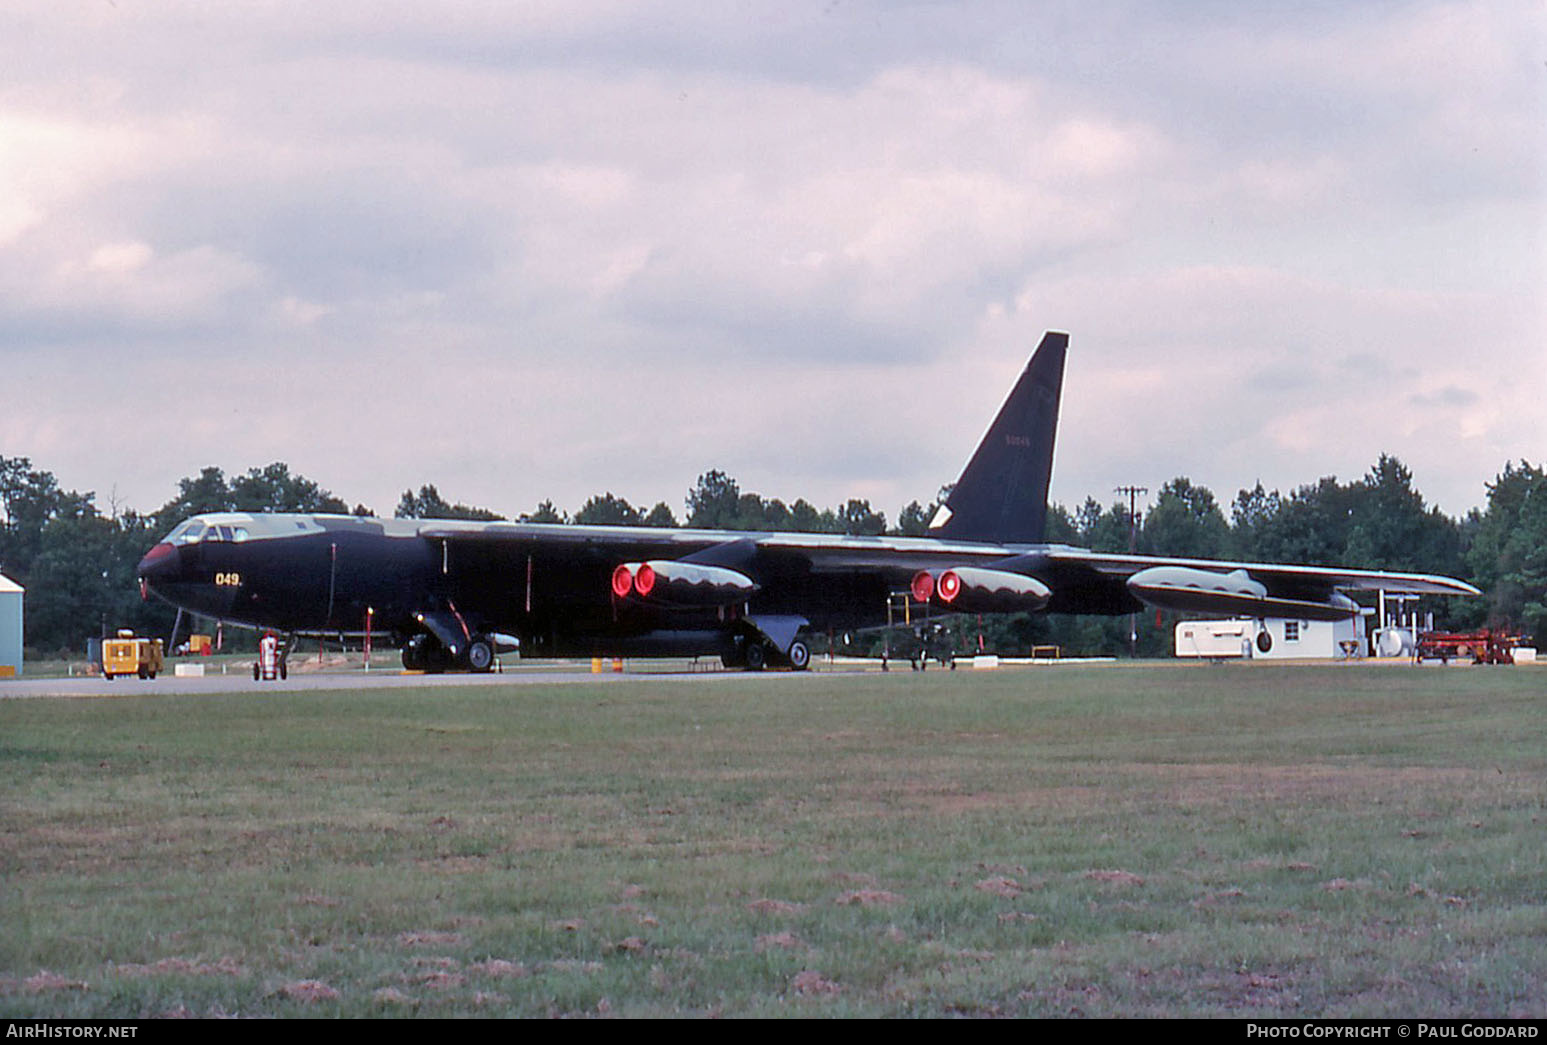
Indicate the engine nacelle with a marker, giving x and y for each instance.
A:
(1188, 590)
(971, 589)
(1162, 580)
(668, 582)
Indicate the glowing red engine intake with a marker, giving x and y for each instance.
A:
(644, 580)
(622, 581)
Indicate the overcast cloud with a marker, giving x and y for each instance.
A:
(545, 250)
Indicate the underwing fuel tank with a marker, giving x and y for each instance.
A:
(971, 589)
(668, 582)
(1188, 590)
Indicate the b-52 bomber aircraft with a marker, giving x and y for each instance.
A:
(453, 593)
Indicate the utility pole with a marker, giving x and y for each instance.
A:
(1133, 493)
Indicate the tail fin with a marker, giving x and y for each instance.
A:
(1002, 494)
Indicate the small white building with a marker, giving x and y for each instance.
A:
(10, 628)
(1272, 638)
(1216, 639)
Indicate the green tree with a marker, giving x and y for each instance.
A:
(544, 513)
(206, 492)
(29, 498)
(806, 518)
(858, 518)
(80, 578)
(1251, 514)
(751, 513)
(1508, 553)
(274, 489)
(1060, 528)
(1185, 522)
(1102, 531)
(1391, 528)
(429, 504)
(69, 588)
(1311, 526)
(714, 501)
(775, 514)
(608, 510)
(661, 517)
(913, 520)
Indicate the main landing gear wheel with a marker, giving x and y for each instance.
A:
(800, 655)
(480, 654)
(757, 656)
(416, 655)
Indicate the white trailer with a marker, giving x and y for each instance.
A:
(1215, 638)
(1273, 638)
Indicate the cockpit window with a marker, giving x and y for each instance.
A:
(236, 527)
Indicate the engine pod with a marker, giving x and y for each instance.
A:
(1185, 589)
(972, 589)
(668, 582)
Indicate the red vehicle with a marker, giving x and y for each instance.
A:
(1480, 647)
(270, 664)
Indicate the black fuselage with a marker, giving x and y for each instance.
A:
(547, 585)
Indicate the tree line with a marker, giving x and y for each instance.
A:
(77, 560)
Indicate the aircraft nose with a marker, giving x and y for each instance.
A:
(159, 564)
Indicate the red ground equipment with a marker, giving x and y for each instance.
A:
(1480, 647)
(270, 664)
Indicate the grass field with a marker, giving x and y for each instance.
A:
(1241, 840)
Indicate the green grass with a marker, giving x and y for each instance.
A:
(1190, 840)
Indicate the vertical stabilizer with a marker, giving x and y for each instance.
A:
(1002, 494)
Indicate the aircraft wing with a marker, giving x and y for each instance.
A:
(716, 567)
(1240, 588)
(1274, 574)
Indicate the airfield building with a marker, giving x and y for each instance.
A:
(1273, 638)
(10, 628)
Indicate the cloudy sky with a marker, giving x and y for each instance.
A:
(533, 250)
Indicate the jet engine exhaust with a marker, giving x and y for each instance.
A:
(670, 582)
(970, 589)
(622, 581)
